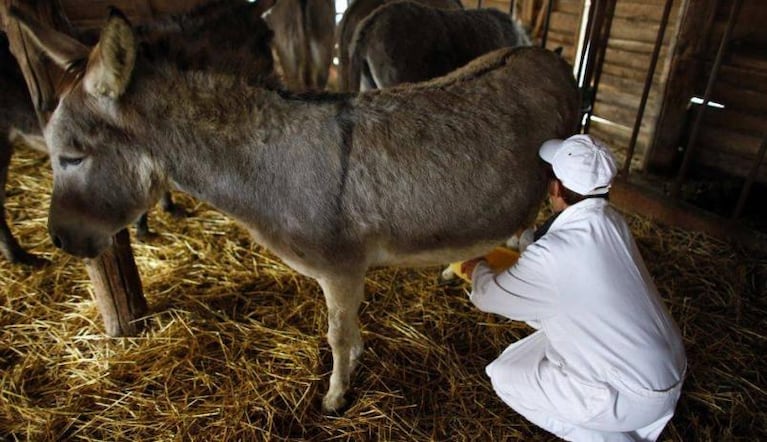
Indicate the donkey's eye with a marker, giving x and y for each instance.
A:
(70, 161)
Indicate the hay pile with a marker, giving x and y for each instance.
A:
(235, 348)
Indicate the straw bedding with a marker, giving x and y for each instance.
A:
(234, 347)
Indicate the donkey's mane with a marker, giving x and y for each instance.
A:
(476, 69)
(314, 96)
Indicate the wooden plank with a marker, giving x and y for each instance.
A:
(744, 77)
(732, 164)
(632, 60)
(740, 98)
(564, 22)
(725, 140)
(637, 30)
(732, 119)
(630, 102)
(636, 47)
(644, 11)
(631, 85)
(627, 72)
(563, 38)
(568, 6)
(654, 205)
(615, 113)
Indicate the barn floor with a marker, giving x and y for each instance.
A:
(234, 347)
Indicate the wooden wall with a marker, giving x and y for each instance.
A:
(634, 29)
(633, 33)
(730, 137)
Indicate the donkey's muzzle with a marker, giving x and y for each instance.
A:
(78, 244)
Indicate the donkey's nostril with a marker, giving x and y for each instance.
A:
(56, 241)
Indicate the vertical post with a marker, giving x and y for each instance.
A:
(750, 180)
(601, 49)
(682, 174)
(586, 46)
(547, 23)
(117, 285)
(647, 86)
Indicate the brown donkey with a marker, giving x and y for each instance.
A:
(333, 184)
(407, 42)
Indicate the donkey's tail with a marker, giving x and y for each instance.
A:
(358, 50)
(357, 60)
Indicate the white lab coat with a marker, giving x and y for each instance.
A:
(607, 361)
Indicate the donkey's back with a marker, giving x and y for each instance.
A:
(437, 168)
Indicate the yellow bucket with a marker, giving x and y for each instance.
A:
(499, 259)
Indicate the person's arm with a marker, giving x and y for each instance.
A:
(523, 292)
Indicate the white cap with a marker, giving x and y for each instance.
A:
(583, 164)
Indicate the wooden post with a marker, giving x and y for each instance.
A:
(116, 282)
(695, 22)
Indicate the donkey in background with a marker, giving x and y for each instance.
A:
(332, 184)
(354, 14)
(407, 42)
(221, 36)
(18, 125)
(303, 40)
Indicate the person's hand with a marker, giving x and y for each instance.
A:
(467, 267)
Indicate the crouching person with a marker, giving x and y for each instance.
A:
(607, 361)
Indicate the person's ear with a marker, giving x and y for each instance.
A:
(555, 188)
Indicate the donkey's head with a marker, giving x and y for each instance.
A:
(102, 179)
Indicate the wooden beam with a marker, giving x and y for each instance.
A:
(117, 285)
(642, 201)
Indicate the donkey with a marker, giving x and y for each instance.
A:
(409, 42)
(18, 125)
(333, 184)
(220, 35)
(354, 14)
(303, 40)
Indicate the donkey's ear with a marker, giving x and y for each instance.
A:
(62, 49)
(111, 62)
(264, 6)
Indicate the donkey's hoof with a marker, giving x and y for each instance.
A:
(334, 404)
(28, 259)
(176, 211)
(448, 274)
(145, 235)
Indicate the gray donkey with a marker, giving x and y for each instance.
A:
(353, 16)
(219, 35)
(406, 41)
(333, 184)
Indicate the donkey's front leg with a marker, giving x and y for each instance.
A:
(343, 295)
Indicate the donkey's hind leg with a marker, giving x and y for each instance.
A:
(169, 206)
(343, 295)
(143, 232)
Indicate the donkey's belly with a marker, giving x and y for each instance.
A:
(383, 256)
